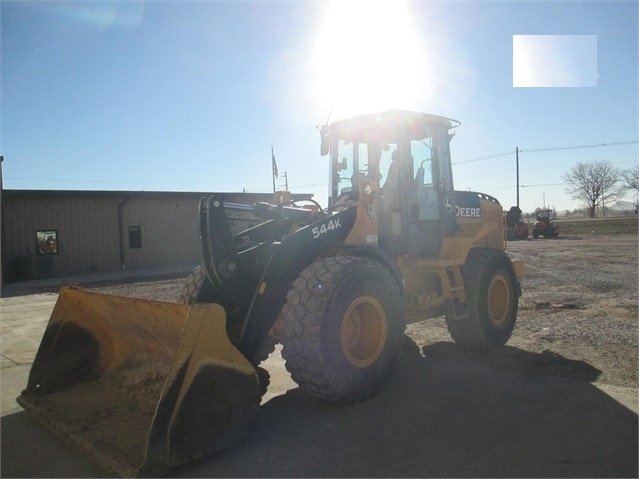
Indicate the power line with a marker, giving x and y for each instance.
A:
(542, 184)
(550, 148)
(312, 185)
(511, 187)
(574, 147)
(484, 158)
(555, 166)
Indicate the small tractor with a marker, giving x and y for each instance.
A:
(545, 226)
(142, 386)
(516, 228)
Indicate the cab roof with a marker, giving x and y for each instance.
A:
(390, 124)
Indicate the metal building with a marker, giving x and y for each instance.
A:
(49, 233)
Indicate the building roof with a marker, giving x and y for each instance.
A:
(141, 194)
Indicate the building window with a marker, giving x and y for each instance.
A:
(47, 242)
(135, 237)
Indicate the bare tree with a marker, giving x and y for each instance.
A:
(631, 178)
(594, 183)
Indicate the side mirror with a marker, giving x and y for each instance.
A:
(324, 141)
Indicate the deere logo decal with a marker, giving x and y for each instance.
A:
(448, 204)
(468, 212)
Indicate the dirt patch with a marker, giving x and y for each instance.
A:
(577, 313)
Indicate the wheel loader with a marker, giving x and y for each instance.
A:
(142, 386)
(545, 226)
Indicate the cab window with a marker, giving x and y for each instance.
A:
(422, 153)
(352, 164)
(385, 162)
(427, 198)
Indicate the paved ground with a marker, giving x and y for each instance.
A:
(436, 418)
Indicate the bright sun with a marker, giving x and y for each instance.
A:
(368, 57)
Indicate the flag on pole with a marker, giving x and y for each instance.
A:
(275, 174)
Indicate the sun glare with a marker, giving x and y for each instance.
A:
(368, 58)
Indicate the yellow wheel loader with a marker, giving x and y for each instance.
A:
(143, 386)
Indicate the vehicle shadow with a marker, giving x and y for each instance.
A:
(445, 412)
(509, 358)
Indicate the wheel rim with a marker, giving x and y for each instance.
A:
(364, 331)
(499, 300)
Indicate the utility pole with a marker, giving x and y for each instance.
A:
(274, 166)
(2, 245)
(517, 157)
(285, 181)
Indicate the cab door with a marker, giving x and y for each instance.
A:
(432, 200)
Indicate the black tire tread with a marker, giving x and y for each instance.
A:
(301, 335)
(473, 331)
(192, 286)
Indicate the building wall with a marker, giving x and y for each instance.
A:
(86, 227)
(93, 230)
(169, 231)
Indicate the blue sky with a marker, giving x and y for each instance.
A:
(190, 96)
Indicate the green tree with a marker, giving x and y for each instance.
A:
(594, 183)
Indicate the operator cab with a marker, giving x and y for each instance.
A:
(406, 158)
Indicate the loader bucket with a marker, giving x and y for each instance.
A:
(140, 386)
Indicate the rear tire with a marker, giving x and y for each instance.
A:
(342, 327)
(492, 300)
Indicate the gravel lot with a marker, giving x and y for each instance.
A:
(578, 313)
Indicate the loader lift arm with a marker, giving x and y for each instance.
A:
(233, 262)
(252, 276)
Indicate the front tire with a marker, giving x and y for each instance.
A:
(492, 300)
(342, 327)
